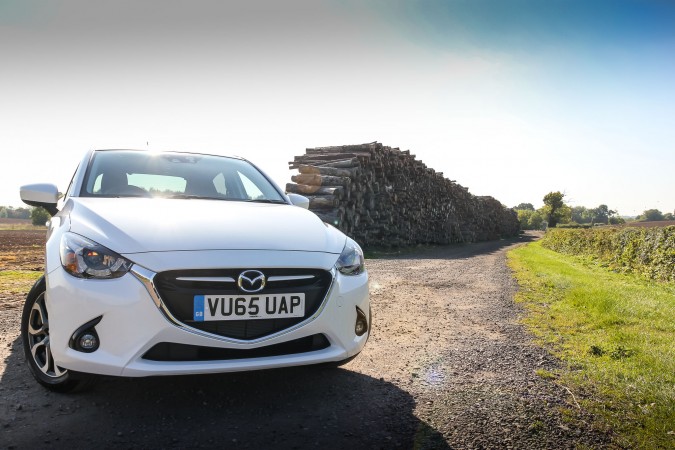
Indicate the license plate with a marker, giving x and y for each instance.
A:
(247, 307)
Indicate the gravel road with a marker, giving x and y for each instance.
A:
(448, 366)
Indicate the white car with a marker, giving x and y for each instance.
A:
(180, 263)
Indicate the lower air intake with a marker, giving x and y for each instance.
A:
(167, 351)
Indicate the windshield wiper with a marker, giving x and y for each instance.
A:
(205, 197)
(265, 200)
(193, 197)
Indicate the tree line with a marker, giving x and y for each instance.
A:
(38, 216)
(9, 212)
(555, 211)
(654, 215)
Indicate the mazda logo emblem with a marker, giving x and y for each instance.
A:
(251, 281)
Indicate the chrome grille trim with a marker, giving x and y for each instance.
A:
(207, 279)
(146, 277)
(290, 278)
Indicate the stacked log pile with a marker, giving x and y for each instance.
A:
(382, 196)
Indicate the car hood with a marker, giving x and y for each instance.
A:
(136, 225)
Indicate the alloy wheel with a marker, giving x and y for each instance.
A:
(38, 340)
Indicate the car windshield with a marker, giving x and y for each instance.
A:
(128, 173)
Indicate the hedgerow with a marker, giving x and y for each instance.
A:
(649, 252)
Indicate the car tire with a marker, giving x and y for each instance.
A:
(35, 339)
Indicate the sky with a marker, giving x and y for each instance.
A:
(512, 99)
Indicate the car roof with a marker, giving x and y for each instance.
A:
(165, 151)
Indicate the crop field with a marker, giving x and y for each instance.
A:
(660, 223)
(22, 249)
(21, 263)
(17, 224)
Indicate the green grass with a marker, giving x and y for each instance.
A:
(18, 281)
(616, 334)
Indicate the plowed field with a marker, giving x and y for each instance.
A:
(22, 249)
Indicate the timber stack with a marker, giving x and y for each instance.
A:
(382, 196)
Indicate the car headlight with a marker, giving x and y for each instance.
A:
(83, 258)
(351, 260)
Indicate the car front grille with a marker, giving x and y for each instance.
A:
(168, 351)
(177, 289)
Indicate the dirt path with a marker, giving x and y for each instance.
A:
(447, 367)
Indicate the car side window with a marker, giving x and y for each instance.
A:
(251, 190)
(219, 183)
(97, 185)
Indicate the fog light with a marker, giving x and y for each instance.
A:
(361, 323)
(85, 339)
(88, 342)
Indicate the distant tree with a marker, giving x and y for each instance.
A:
(39, 216)
(580, 214)
(524, 218)
(3, 212)
(601, 214)
(668, 216)
(555, 211)
(525, 206)
(529, 220)
(18, 213)
(536, 221)
(652, 215)
(614, 217)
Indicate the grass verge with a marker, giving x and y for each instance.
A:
(18, 281)
(616, 335)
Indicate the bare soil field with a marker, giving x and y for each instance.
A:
(21, 261)
(22, 249)
(6, 221)
(660, 223)
(448, 366)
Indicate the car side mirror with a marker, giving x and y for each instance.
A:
(299, 200)
(44, 195)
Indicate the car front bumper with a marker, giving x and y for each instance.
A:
(132, 322)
